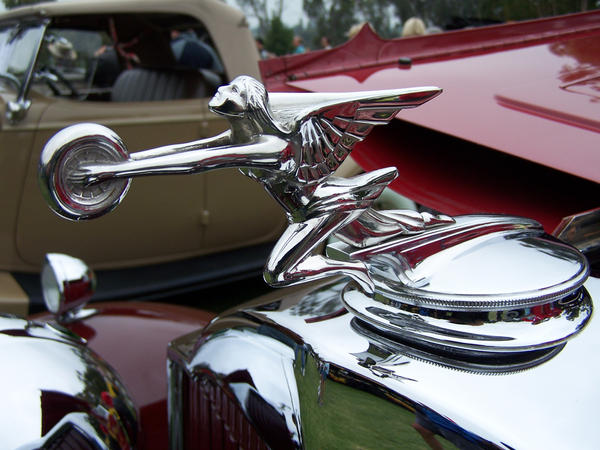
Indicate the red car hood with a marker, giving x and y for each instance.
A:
(530, 90)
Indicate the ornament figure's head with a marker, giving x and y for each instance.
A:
(242, 96)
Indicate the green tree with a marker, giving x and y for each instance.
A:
(334, 18)
(276, 35)
(258, 10)
(380, 15)
(331, 18)
(278, 38)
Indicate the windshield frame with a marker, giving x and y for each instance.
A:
(18, 28)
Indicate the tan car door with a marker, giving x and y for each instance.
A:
(162, 218)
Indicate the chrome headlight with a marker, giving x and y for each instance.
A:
(67, 284)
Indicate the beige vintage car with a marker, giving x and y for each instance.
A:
(113, 62)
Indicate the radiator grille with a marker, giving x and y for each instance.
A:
(211, 417)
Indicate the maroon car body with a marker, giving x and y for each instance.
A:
(133, 337)
(515, 131)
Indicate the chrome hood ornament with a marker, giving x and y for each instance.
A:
(402, 261)
(291, 143)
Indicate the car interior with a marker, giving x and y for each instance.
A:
(127, 57)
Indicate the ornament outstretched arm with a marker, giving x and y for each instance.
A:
(219, 140)
(265, 152)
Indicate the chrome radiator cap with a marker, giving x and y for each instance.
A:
(483, 284)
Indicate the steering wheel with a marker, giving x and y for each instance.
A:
(54, 79)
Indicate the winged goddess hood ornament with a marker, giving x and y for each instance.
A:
(448, 283)
(290, 143)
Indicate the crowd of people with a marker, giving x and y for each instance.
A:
(412, 27)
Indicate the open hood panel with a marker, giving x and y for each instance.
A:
(530, 90)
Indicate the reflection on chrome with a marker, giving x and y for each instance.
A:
(514, 329)
(67, 284)
(58, 393)
(318, 377)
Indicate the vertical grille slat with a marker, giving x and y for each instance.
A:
(217, 420)
(201, 412)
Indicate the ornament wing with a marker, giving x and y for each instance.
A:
(330, 124)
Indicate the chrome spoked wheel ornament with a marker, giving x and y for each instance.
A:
(62, 174)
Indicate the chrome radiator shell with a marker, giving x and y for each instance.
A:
(328, 381)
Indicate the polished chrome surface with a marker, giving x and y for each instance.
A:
(291, 143)
(67, 284)
(64, 153)
(17, 110)
(477, 263)
(78, 431)
(484, 284)
(498, 331)
(57, 390)
(263, 355)
(348, 385)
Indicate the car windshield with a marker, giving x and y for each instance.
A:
(18, 47)
(68, 60)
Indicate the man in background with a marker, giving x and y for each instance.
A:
(191, 52)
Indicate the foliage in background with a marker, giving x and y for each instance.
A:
(329, 18)
(278, 38)
(259, 10)
(275, 34)
(333, 18)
